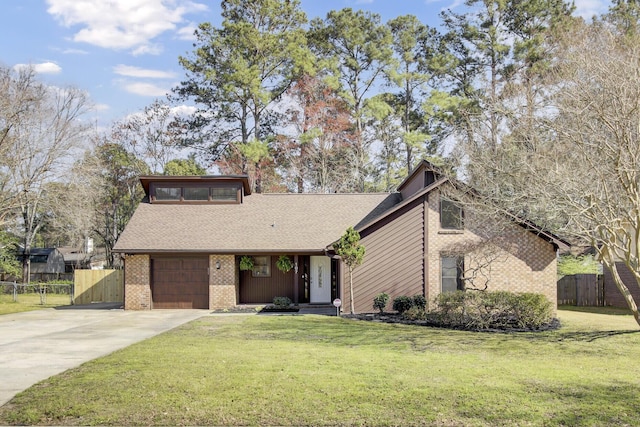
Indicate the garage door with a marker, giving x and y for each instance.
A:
(180, 282)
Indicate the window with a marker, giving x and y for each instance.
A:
(38, 259)
(429, 178)
(224, 193)
(196, 193)
(168, 193)
(261, 266)
(451, 272)
(450, 215)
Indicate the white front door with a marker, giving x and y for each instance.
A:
(320, 279)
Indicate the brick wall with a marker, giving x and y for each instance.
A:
(525, 262)
(612, 296)
(223, 282)
(137, 283)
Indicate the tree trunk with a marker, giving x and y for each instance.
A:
(26, 260)
(351, 304)
(624, 290)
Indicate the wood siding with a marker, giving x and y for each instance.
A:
(411, 187)
(393, 262)
(262, 290)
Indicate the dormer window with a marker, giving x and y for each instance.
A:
(214, 189)
(224, 193)
(190, 192)
(168, 193)
(196, 193)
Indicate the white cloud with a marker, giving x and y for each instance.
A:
(148, 49)
(183, 110)
(122, 24)
(145, 89)
(101, 107)
(587, 9)
(130, 71)
(186, 32)
(75, 52)
(42, 68)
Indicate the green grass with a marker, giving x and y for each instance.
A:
(30, 301)
(314, 370)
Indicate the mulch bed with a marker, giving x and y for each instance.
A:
(397, 318)
(279, 310)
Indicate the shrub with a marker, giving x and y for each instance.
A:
(419, 301)
(282, 302)
(380, 301)
(402, 304)
(491, 310)
(532, 310)
(415, 313)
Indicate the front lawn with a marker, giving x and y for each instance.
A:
(31, 301)
(315, 370)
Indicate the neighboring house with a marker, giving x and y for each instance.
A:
(183, 245)
(46, 261)
(74, 259)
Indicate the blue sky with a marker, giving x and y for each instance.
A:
(124, 53)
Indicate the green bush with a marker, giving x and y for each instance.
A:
(380, 301)
(415, 313)
(491, 310)
(282, 302)
(402, 304)
(419, 301)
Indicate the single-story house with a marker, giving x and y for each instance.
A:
(183, 246)
(75, 259)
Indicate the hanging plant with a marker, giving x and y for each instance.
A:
(284, 264)
(246, 263)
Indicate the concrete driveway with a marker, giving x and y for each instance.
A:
(38, 344)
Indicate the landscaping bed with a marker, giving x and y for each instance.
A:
(400, 319)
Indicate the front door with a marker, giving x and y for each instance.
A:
(320, 279)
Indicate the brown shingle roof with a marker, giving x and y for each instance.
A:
(262, 223)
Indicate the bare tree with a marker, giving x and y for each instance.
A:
(153, 135)
(580, 174)
(42, 128)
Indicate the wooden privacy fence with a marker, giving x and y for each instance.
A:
(98, 286)
(581, 290)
